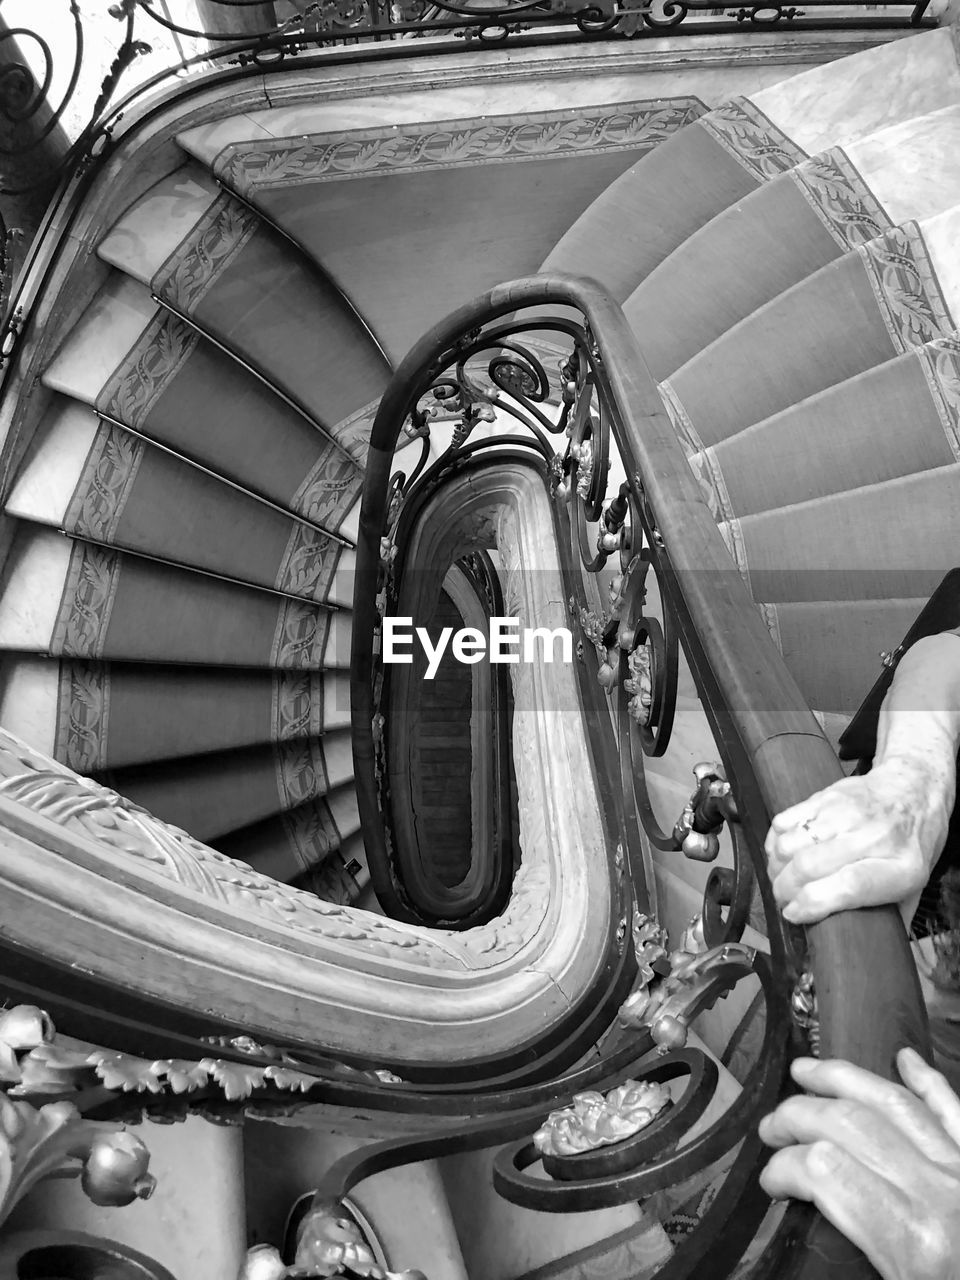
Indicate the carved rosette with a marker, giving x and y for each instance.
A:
(597, 1120)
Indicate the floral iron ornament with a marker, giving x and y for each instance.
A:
(595, 1120)
(329, 1243)
(51, 1067)
(694, 983)
(55, 1139)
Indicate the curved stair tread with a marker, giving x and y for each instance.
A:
(894, 293)
(435, 189)
(97, 481)
(151, 230)
(719, 160)
(287, 845)
(104, 337)
(854, 632)
(831, 203)
(96, 715)
(340, 878)
(240, 284)
(211, 144)
(894, 420)
(639, 220)
(833, 104)
(141, 366)
(883, 541)
(83, 600)
(213, 795)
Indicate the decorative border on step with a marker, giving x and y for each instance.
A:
(308, 564)
(709, 476)
(301, 772)
(732, 534)
(296, 705)
(248, 167)
(105, 484)
(771, 617)
(940, 362)
(905, 284)
(840, 198)
(354, 432)
(331, 487)
(686, 432)
(143, 375)
(83, 715)
(312, 834)
(743, 131)
(91, 585)
(212, 245)
(126, 835)
(301, 635)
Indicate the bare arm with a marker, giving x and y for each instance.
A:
(873, 839)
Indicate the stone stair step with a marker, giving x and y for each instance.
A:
(96, 715)
(77, 599)
(213, 795)
(97, 481)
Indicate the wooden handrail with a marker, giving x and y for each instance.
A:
(870, 1002)
(781, 740)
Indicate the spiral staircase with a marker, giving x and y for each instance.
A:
(183, 515)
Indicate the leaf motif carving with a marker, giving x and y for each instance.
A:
(237, 1079)
(127, 1074)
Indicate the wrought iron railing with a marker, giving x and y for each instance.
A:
(480, 366)
(302, 34)
(28, 116)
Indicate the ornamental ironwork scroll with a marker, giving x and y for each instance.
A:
(27, 71)
(543, 388)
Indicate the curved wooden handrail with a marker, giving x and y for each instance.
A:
(772, 742)
(782, 744)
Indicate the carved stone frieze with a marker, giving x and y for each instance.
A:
(135, 837)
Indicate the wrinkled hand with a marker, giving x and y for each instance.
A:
(880, 1161)
(861, 842)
